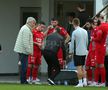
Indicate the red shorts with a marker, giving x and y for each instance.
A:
(91, 59)
(100, 56)
(35, 59)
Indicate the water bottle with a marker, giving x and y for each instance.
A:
(59, 82)
(65, 82)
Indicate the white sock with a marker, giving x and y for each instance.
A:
(89, 82)
(80, 81)
(84, 80)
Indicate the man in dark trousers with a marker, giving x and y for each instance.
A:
(24, 46)
(56, 37)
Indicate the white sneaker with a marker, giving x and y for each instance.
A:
(51, 81)
(29, 80)
(35, 82)
(89, 82)
(79, 85)
(101, 85)
(37, 79)
(84, 83)
(93, 84)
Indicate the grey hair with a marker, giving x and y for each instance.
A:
(29, 19)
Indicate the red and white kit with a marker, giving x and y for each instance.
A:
(35, 60)
(38, 38)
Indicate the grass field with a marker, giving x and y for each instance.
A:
(45, 87)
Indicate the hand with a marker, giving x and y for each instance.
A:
(40, 46)
(70, 55)
(19, 63)
(91, 39)
(50, 27)
(31, 54)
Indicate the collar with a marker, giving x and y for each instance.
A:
(76, 27)
(29, 26)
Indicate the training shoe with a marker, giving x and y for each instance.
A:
(35, 82)
(51, 81)
(101, 85)
(29, 80)
(79, 85)
(89, 82)
(84, 83)
(94, 84)
(37, 79)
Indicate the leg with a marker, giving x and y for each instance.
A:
(102, 73)
(80, 76)
(35, 72)
(28, 74)
(53, 64)
(79, 62)
(89, 74)
(48, 61)
(24, 62)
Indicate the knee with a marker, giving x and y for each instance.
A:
(29, 65)
(80, 72)
(101, 66)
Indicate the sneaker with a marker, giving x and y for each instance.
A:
(101, 85)
(79, 85)
(94, 84)
(84, 83)
(29, 80)
(89, 82)
(35, 82)
(106, 84)
(37, 79)
(51, 82)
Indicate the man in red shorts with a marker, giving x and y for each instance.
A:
(91, 57)
(100, 50)
(99, 39)
(35, 60)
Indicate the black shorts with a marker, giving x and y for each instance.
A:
(79, 60)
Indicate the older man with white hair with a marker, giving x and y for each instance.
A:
(24, 46)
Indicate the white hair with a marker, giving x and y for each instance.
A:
(30, 19)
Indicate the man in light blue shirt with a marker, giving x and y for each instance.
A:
(78, 47)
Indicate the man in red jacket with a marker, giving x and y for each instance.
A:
(100, 50)
(91, 57)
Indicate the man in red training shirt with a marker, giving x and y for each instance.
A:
(35, 60)
(100, 40)
(91, 57)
